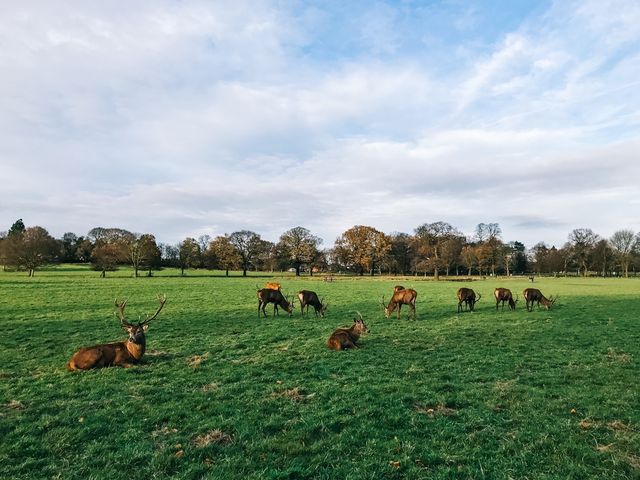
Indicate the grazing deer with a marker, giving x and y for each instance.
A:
(504, 295)
(534, 295)
(405, 296)
(307, 298)
(344, 338)
(468, 297)
(269, 295)
(121, 354)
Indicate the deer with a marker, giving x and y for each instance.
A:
(405, 296)
(270, 295)
(307, 297)
(534, 295)
(344, 338)
(504, 295)
(468, 297)
(122, 354)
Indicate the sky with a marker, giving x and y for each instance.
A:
(186, 118)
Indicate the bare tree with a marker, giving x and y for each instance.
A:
(430, 239)
(583, 241)
(624, 244)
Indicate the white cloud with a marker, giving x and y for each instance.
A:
(181, 119)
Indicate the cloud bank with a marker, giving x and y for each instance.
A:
(190, 118)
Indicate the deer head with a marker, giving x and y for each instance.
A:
(136, 330)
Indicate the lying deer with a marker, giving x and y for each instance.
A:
(534, 295)
(344, 338)
(121, 354)
(468, 297)
(401, 296)
(307, 297)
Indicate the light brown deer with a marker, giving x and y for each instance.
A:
(405, 296)
(468, 297)
(122, 354)
(504, 295)
(534, 295)
(344, 338)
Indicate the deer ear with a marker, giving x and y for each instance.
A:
(145, 327)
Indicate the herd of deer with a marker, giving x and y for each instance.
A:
(128, 353)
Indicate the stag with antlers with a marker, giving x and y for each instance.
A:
(401, 296)
(534, 295)
(307, 297)
(344, 338)
(121, 354)
(270, 295)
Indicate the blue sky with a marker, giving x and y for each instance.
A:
(190, 118)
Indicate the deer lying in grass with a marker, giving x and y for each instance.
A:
(534, 295)
(401, 296)
(121, 354)
(504, 295)
(468, 297)
(344, 338)
(307, 297)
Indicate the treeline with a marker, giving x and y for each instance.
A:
(433, 249)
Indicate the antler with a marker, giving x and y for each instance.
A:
(359, 314)
(479, 297)
(120, 312)
(162, 299)
(383, 302)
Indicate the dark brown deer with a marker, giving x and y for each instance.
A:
(504, 295)
(121, 354)
(534, 295)
(406, 296)
(468, 297)
(269, 295)
(344, 338)
(307, 297)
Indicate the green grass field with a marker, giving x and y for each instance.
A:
(224, 394)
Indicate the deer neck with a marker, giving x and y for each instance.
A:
(136, 349)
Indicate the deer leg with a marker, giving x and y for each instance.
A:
(399, 308)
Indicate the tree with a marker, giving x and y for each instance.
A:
(429, 240)
(582, 242)
(362, 247)
(188, 254)
(468, 257)
(401, 253)
(142, 251)
(602, 257)
(110, 248)
(69, 247)
(17, 228)
(247, 245)
(299, 247)
(224, 253)
(624, 244)
(30, 248)
(489, 235)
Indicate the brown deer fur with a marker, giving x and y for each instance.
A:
(405, 296)
(269, 295)
(534, 295)
(504, 295)
(468, 297)
(121, 354)
(307, 297)
(344, 338)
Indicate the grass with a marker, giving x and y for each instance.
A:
(223, 394)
